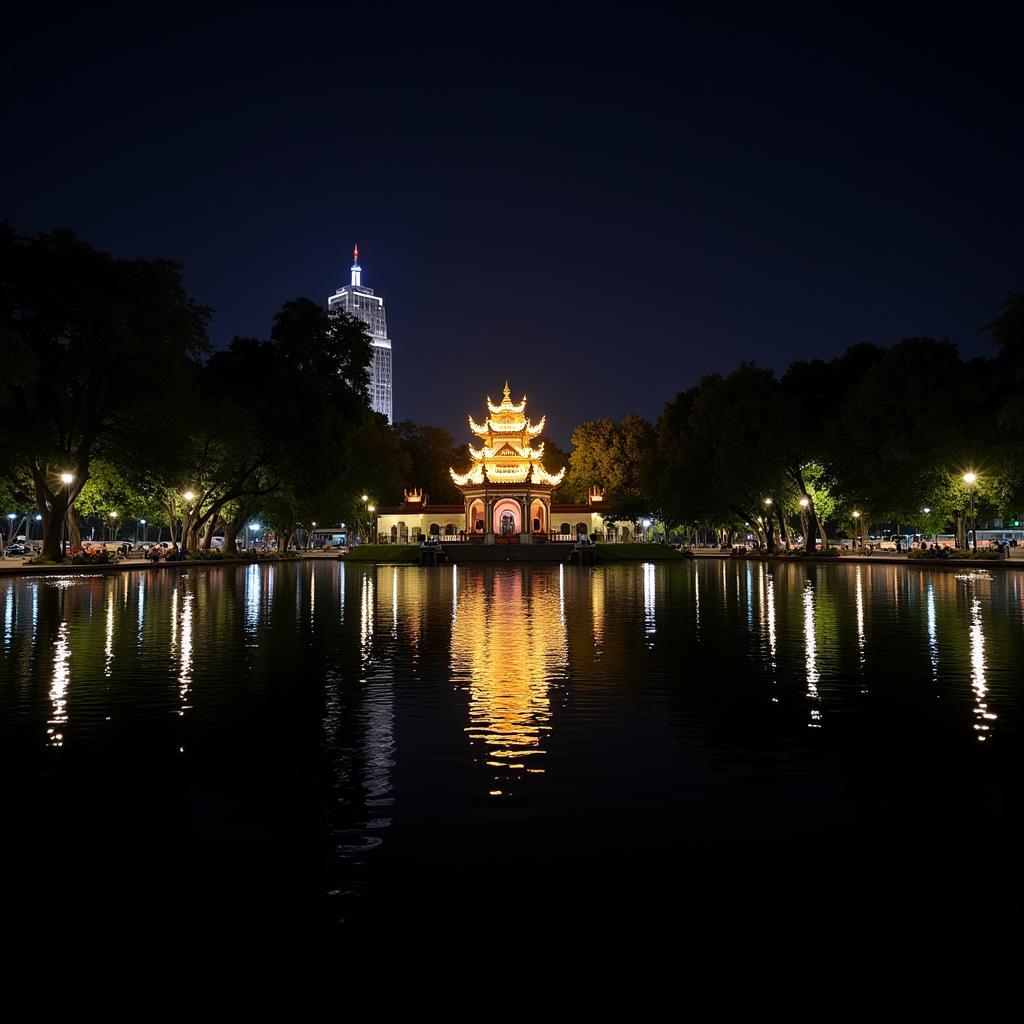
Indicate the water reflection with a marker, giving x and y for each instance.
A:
(59, 686)
(377, 709)
(933, 633)
(509, 641)
(982, 714)
(367, 614)
(861, 639)
(811, 657)
(649, 602)
(253, 596)
(140, 602)
(108, 647)
(185, 649)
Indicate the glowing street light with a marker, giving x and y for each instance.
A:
(804, 502)
(768, 502)
(971, 478)
(66, 479)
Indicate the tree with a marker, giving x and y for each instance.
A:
(78, 320)
(431, 451)
(1007, 334)
(613, 456)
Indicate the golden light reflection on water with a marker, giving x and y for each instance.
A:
(59, 687)
(597, 586)
(509, 639)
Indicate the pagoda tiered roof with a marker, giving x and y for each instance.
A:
(507, 454)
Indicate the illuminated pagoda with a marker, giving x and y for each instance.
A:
(507, 490)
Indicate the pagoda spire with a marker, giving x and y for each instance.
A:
(356, 269)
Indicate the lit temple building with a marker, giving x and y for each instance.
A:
(353, 298)
(506, 491)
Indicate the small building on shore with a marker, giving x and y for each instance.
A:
(507, 493)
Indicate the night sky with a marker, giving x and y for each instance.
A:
(601, 209)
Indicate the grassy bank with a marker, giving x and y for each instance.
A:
(384, 553)
(638, 553)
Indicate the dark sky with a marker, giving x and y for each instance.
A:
(600, 208)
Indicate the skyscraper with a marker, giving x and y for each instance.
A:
(361, 302)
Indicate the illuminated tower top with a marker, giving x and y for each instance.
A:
(507, 454)
(357, 271)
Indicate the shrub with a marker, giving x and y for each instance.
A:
(820, 553)
(955, 554)
(92, 558)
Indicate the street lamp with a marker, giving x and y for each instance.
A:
(971, 478)
(142, 523)
(66, 479)
(113, 526)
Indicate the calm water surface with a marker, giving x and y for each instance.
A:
(342, 750)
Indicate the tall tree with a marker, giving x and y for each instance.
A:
(431, 451)
(106, 344)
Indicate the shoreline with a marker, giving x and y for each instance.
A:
(929, 563)
(142, 565)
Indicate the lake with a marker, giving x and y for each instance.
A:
(346, 750)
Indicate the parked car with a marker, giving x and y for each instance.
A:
(16, 549)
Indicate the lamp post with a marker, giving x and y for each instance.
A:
(768, 529)
(372, 523)
(65, 479)
(113, 526)
(856, 527)
(142, 524)
(926, 511)
(189, 498)
(646, 524)
(253, 527)
(804, 502)
(971, 478)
